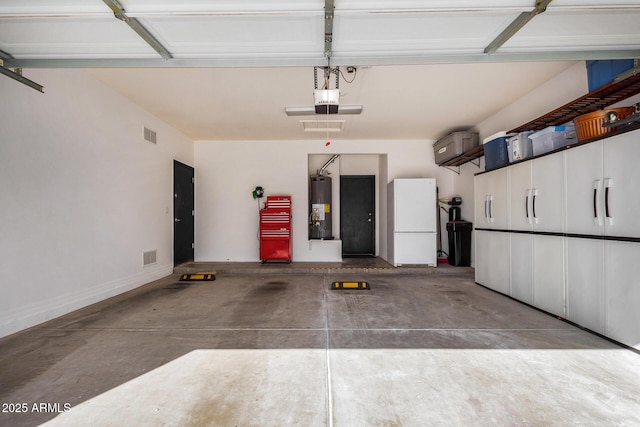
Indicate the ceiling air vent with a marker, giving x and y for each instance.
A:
(149, 257)
(149, 135)
(322, 125)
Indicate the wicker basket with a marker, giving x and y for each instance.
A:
(590, 125)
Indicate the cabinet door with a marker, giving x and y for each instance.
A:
(520, 217)
(583, 174)
(522, 267)
(621, 180)
(547, 205)
(481, 195)
(585, 283)
(491, 209)
(548, 274)
(492, 260)
(498, 207)
(622, 289)
(482, 256)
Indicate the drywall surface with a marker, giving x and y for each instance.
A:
(83, 196)
(227, 172)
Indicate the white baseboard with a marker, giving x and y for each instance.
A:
(26, 316)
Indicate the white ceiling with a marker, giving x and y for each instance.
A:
(235, 65)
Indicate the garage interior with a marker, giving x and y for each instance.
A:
(95, 325)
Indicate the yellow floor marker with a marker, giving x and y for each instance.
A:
(350, 285)
(199, 277)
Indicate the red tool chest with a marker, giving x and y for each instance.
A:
(275, 230)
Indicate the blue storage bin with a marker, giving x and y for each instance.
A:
(495, 152)
(601, 72)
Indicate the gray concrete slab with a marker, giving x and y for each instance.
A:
(278, 347)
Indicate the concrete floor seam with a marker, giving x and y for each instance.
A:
(327, 358)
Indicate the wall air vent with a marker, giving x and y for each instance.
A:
(149, 257)
(149, 135)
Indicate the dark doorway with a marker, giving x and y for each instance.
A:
(183, 212)
(357, 215)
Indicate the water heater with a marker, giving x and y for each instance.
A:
(320, 208)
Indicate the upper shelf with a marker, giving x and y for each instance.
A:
(465, 157)
(598, 99)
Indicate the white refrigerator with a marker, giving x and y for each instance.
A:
(412, 222)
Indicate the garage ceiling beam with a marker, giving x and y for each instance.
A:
(364, 60)
(516, 25)
(136, 26)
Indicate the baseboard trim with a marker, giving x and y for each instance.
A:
(30, 315)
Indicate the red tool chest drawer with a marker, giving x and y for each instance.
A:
(275, 230)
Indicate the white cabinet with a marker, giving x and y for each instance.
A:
(547, 193)
(520, 196)
(522, 267)
(585, 283)
(491, 204)
(621, 192)
(584, 176)
(571, 237)
(492, 247)
(622, 278)
(492, 260)
(537, 194)
(536, 197)
(548, 274)
(603, 275)
(602, 187)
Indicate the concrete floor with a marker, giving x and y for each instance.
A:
(272, 345)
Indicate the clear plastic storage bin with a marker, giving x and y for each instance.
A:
(552, 138)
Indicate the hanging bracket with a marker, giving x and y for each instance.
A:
(456, 170)
(328, 27)
(16, 74)
(516, 25)
(119, 13)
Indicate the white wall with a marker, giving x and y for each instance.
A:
(567, 86)
(82, 196)
(227, 172)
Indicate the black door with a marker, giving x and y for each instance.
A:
(183, 205)
(357, 215)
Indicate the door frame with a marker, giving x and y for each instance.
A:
(179, 167)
